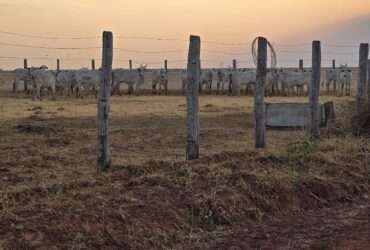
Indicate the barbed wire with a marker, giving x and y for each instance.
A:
(153, 38)
(47, 37)
(18, 45)
(281, 48)
(46, 47)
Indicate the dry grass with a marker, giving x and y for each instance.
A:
(51, 195)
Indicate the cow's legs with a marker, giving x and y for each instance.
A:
(38, 93)
(335, 86)
(201, 88)
(130, 89)
(25, 86)
(118, 89)
(348, 88)
(166, 87)
(53, 93)
(137, 90)
(113, 90)
(160, 87)
(327, 85)
(154, 88)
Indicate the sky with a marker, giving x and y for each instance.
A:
(290, 25)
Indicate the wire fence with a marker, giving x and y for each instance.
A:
(288, 54)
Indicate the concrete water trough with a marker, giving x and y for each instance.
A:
(295, 115)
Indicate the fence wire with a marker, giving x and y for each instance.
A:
(211, 56)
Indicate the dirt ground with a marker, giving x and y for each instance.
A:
(295, 194)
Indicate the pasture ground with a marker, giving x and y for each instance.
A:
(296, 194)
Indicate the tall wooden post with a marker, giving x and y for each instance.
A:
(58, 65)
(165, 66)
(314, 123)
(130, 64)
(259, 99)
(368, 85)
(103, 154)
(27, 82)
(301, 64)
(192, 99)
(235, 88)
(362, 79)
(93, 64)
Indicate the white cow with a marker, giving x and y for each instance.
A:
(130, 77)
(206, 78)
(242, 78)
(159, 77)
(291, 79)
(21, 76)
(40, 79)
(66, 82)
(248, 79)
(222, 76)
(331, 78)
(272, 85)
(345, 80)
(87, 81)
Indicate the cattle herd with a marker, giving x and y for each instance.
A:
(79, 83)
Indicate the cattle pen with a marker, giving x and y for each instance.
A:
(203, 166)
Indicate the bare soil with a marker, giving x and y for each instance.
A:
(295, 194)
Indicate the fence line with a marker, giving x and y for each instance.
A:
(153, 38)
(208, 53)
(47, 37)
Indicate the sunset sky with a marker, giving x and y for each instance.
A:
(284, 22)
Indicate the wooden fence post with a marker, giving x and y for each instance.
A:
(130, 64)
(166, 71)
(362, 79)
(25, 63)
(301, 64)
(192, 99)
(235, 90)
(314, 122)
(58, 65)
(25, 66)
(165, 66)
(103, 154)
(259, 99)
(93, 64)
(368, 85)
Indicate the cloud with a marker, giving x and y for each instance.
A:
(354, 30)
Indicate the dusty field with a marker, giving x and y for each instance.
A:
(296, 194)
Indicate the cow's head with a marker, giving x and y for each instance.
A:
(143, 67)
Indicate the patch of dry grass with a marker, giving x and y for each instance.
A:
(51, 194)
